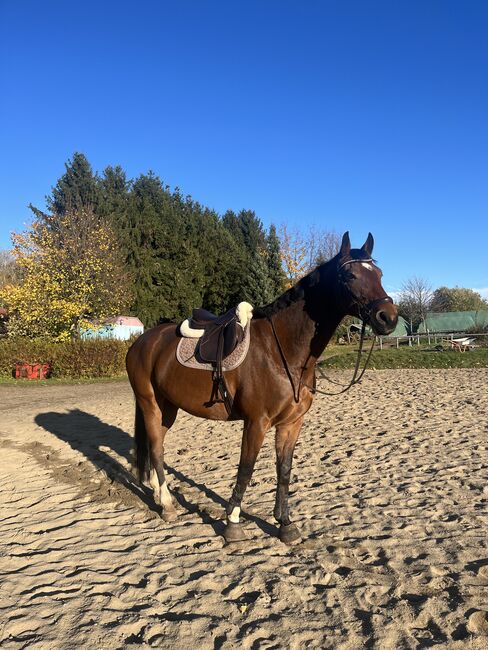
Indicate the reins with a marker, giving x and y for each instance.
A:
(296, 395)
(355, 378)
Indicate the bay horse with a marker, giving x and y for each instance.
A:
(273, 387)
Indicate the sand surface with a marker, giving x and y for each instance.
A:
(389, 488)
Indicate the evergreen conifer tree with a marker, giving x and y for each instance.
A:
(178, 253)
(149, 238)
(255, 283)
(276, 274)
(77, 189)
(114, 193)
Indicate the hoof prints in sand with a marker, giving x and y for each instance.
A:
(389, 490)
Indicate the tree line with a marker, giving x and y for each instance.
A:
(107, 244)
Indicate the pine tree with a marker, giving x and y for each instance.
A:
(147, 243)
(257, 288)
(221, 260)
(76, 190)
(276, 274)
(254, 282)
(114, 193)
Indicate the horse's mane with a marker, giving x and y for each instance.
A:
(301, 289)
(293, 294)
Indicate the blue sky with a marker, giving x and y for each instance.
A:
(351, 115)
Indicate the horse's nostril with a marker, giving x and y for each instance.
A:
(382, 317)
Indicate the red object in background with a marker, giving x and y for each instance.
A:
(32, 370)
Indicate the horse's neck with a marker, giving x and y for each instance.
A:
(305, 338)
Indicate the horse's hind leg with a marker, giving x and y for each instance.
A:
(286, 437)
(158, 419)
(252, 440)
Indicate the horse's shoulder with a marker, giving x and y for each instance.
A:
(259, 325)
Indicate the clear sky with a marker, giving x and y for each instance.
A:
(352, 115)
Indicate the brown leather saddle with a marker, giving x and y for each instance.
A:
(221, 335)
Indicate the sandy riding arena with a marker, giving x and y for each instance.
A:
(389, 489)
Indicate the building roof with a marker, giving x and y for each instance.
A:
(401, 328)
(454, 321)
(132, 321)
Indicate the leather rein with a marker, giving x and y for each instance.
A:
(365, 313)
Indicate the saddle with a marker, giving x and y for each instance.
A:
(219, 336)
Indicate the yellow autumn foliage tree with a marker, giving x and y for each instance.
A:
(71, 274)
(303, 250)
(293, 250)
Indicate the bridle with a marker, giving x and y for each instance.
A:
(365, 314)
(364, 310)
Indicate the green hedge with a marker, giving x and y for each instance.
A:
(73, 359)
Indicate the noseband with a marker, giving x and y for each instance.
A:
(371, 306)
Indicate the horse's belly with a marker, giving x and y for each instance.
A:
(191, 390)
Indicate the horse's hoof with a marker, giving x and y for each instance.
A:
(169, 515)
(289, 534)
(234, 533)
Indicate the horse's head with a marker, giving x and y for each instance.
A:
(360, 287)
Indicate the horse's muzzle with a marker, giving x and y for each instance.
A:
(383, 316)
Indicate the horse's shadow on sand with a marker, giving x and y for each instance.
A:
(88, 435)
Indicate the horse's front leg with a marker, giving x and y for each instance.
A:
(252, 440)
(286, 437)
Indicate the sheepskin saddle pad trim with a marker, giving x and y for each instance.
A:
(192, 327)
(187, 353)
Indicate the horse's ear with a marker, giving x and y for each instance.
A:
(345, 245)
(368, 245)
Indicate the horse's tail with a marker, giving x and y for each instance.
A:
(141, 445)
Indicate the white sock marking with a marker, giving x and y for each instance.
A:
(166, 498)
(234, 515)
(154, 483)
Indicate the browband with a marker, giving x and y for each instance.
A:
(353, 261)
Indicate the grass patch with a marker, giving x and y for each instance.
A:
(412, 357)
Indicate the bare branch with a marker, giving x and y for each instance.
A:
(414, 300)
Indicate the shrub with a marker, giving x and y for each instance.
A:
(69, 359)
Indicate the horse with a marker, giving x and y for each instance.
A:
(273, 387)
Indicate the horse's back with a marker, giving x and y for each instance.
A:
(145, 351)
